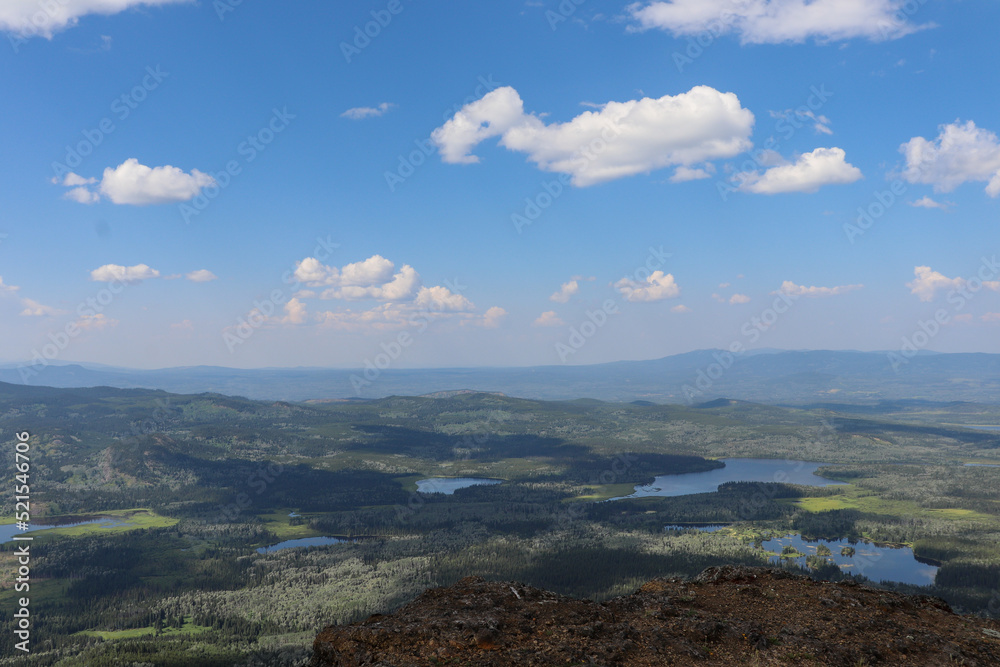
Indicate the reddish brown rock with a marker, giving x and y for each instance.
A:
(725, 616)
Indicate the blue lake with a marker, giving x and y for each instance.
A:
(448, 485)
(982, 465)
(736, 470)
(8, 531)
(302, 542)
(875, 562)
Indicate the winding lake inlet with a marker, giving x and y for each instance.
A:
(735, 470)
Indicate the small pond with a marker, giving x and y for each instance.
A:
(448, 485)
(303, 542)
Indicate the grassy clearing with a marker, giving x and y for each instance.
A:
(189, 628)
(409, 482)
(278, 523)
(605, 492)
(748, 533)
(132, 519)
(853, 497)
(788, 555)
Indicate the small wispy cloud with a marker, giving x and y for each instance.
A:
(34, 309)
(927, 202)
(790, 288)
(800, 117)
(358, 113)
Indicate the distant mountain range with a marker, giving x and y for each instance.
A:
(770, 376)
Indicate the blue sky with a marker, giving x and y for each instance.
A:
(494, 183)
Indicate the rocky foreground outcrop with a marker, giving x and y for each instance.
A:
(725, 616)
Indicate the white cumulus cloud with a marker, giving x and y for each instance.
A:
(441, 299)
(373, 271)
(139, 185)
(493, 317)
(548, 319)
(621, 139)
(29, 18)
(738, 298)
(401, 287)
(565, 292)
(657, 287)
(373, 278)
(778, 21)
(82, 195)
(314, 273)
(125, 274)
(201, 276)
(961, 153)
(407, 303)
(810, 172)
(927, 283)
(136, 184)
(295, 312)
(497, 112)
